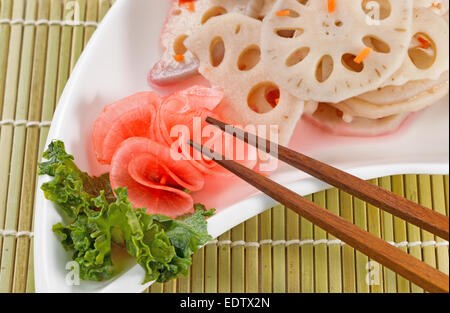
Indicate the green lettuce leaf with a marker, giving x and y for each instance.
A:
(100, 217)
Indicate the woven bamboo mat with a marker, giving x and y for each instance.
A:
(275, 252)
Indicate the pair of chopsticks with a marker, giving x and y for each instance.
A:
(418, 272)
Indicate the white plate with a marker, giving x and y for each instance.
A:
(115, 64)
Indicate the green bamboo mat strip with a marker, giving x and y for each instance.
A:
(387, 222)
(5, 13)
(18, 145)
(320, 251)
(37, 65)
(31, 148)
(348, 253)
(307, 255)
(237, 260)
(413, 231)
(374, 227)
(277, 251)
(334, 251)
(265, 268)
(11, 78)
(251, 256)
(48, 100)
(360, 216)
(293, 252)
(224, 266)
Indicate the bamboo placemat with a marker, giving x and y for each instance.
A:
(277, 251)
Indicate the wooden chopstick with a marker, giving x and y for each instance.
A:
(418, 272)
(412, 212)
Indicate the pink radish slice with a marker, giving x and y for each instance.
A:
(155, 178)
(129, 117)
(189, 108)
(183, 107)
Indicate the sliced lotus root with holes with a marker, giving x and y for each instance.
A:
(268, 4)
(229, 53)
(438, 6)
(391, 94)
(330, 119)
(428, 51)
(176, 63)
(312, 52)
(310, 107)
(388, 101)
(254, 8)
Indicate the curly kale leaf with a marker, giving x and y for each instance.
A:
(100, 217)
